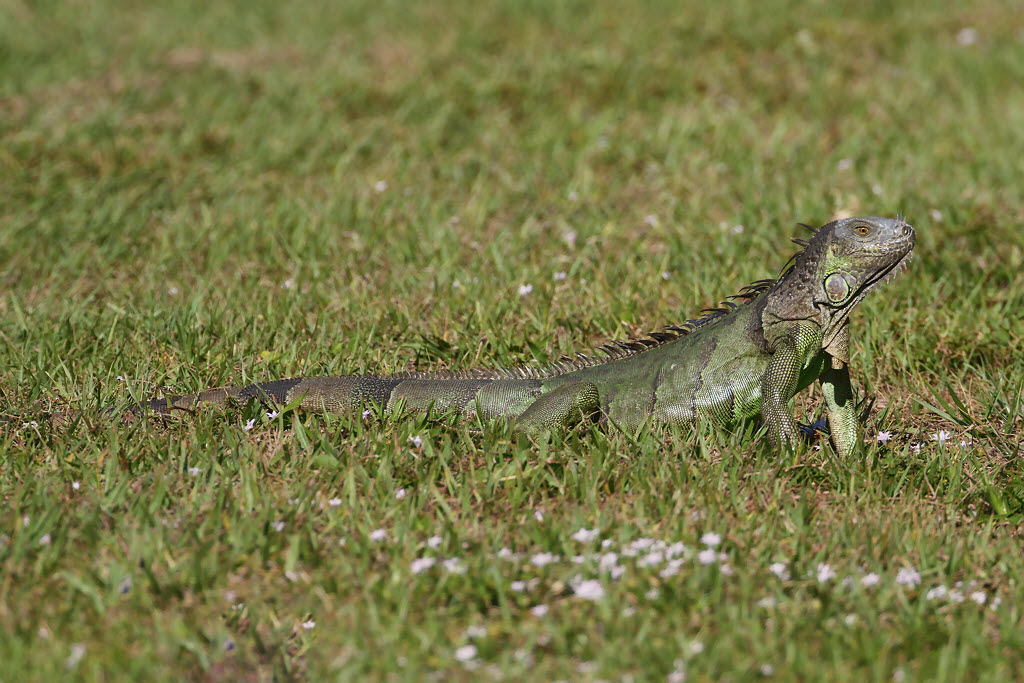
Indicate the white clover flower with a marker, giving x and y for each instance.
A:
(585, 535)
(883, 437)
(573, 196)
(767, 669)
(525, 289)
(560, 276)
(195, 471)
(650, 559)
(650, 220)
(967, 36)
(378, 535)
(466, 653)
(653, 594)
(400, 494)
(75, 485)
(309, 625)
(421, 564)
(665, 275)
(707, 556)
(767, 602)
(45, 540)
(436, 541)
(539, 610)
(278, 526)
(979, 597)
(334, 502)
(908, 576)
(380, 186)
(454, 565)
(538, 515)
(780, 570)
(711, 539)
(844, 165)
(476, 631)
(937, 593)
(869, 580)
(936, 215)
(249, 425)
(517, 586)
(942, 436)
(543, 559)
(825, 573)
(589, 590)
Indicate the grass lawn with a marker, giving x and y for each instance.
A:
(194, 195)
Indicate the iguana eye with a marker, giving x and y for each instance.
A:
(861, 230)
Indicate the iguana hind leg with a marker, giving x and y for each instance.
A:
(561, 408)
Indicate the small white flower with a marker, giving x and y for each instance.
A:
(476, 631)
(585, 535)
(466, 653)
(570, 238)
(421, 564)
(916, 447)
(966, 36)
(665, 275)
(400, 494)
(543, 559)
(850, 619)
(25, 520)
(76, 485)
(454, 565)
(696, 647)
(767, 669)
(908, 576)
(539, 515)
(780, 570)
(651, 220)
(288, 284)
(767, 602)
(589, 590)
(45, 540)
(956, 596)
(249, 425)
(676, 676)
(525, 289)
(122, 379)
(378, 535)
(964, 443)
(539, 610)
(726, 569)
(334, 502)
(272, 414)
(309, 625)
(936, 215)
(278, 526)
(650, 559)
(77, 652)
(416, 441)
(825, 573)
(711, 539)
(844, 165)
(560, 276)
(653, 594)
(942, 436)
(172, 291)
(883, 437)
(195, 471)
(367, 413)
(707, 556)
(573, 195)
(995, 602)
(435, 541)
(517, 586)
(736, 230)
(380, 186)
(876, 189)
(937, 593)
(869, 580)
(899, 675)
(979, 597)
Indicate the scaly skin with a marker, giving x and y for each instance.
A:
(732, 364)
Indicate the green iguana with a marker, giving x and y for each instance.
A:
(732, 363)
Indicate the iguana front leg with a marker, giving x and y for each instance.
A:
(778, 385)
(842, 412)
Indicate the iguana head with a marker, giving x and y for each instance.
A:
(855, 255)
(838, 266)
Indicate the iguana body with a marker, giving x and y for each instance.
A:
(733, 363)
